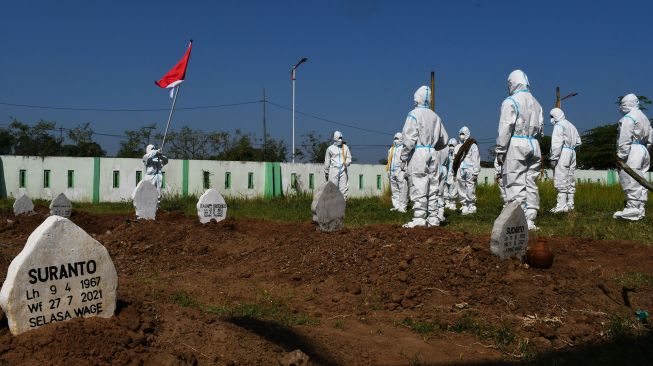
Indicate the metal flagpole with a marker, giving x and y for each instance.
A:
(293, 116)
(172, 110)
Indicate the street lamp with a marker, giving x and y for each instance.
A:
(292, 76)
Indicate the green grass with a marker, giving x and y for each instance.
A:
(592, 218)
(635, 280)
(266, 307)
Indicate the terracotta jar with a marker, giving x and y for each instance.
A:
(539, 256)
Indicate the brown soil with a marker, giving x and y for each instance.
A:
(359, 290)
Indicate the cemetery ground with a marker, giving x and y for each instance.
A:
(250, 289)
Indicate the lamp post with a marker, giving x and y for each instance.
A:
(292, 76)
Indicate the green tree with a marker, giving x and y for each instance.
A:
(136, 142)
(6, 142)
(83, 144)
(314, 147)
(35, 140)
(598, 148)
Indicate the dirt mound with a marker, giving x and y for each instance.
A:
(244, 292)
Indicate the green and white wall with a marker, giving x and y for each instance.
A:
(114, 179)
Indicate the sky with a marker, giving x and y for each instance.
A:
(366, 58)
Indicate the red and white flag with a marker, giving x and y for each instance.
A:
(177, 74)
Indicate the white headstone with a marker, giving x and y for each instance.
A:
(211, 206)
(146, 200)
(61, 206)
(328, 208)
(23, 204)
(61, 273)
(510, 232)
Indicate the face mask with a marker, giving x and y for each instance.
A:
(339, 141)
(553, 121)
(462, 137)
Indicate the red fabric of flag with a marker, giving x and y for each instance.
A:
(177, 74)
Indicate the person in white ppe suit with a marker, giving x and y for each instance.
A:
(564, 141)
(154, 161)
(336, 162)
(398, 186)
(450, 190)
(442, 157)
(423, 135)
(467, 174)
(633, 144)
(517, 147)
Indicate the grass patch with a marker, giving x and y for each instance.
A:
(266, 307)
(423, 327)
(503, 337)
(592, 218)
(634, 280)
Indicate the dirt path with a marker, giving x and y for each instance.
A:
(245, 292)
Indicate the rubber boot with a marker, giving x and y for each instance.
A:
(561, 203)
(570, 202)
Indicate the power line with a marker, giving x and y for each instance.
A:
(83, 109)
(331, 121)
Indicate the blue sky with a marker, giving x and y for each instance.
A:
(366, 58)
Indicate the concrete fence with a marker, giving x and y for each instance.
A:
(114, 179)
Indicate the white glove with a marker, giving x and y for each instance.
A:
(501, 159)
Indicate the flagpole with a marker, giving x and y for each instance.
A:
(172, 110)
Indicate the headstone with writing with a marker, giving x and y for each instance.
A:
(510, 232)
(211, 206)
(61, 206)
(62, 273)
(328, 208)
(146, 200)
(23, 205)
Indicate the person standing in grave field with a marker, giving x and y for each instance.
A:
(336, 162)
(154, 161)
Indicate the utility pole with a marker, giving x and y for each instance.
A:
(292, 76)
(432, 101)
(265, 129)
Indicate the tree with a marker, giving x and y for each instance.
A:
(6, 142)
(188, 144)
(83, 144)
(598, 148)
(314, 147)
(35, 140)
(137, 141)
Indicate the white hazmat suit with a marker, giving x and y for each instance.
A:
(633, 144)
(467, 174)
(443, 163)
(398, 186)
(154, 162)
(517, 147)
(498, 178)
(564, 141)
(450, 190)
(336, 161)
(423, 135)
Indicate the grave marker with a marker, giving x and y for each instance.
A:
(328, 208)
(146, 200)
(23, 205)
(62, 273)
(61, 206)
(510, 232)
(211, 206)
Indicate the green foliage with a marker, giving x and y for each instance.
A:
(34, 140)
(423, 327)
(313, 148)
(266, 307)
(634, 280)
(137, 141)
(598, 148)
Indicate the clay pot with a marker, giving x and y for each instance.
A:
(539, 256)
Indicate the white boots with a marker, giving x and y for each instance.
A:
(468, 209)
(565, 203)
(633, 211)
